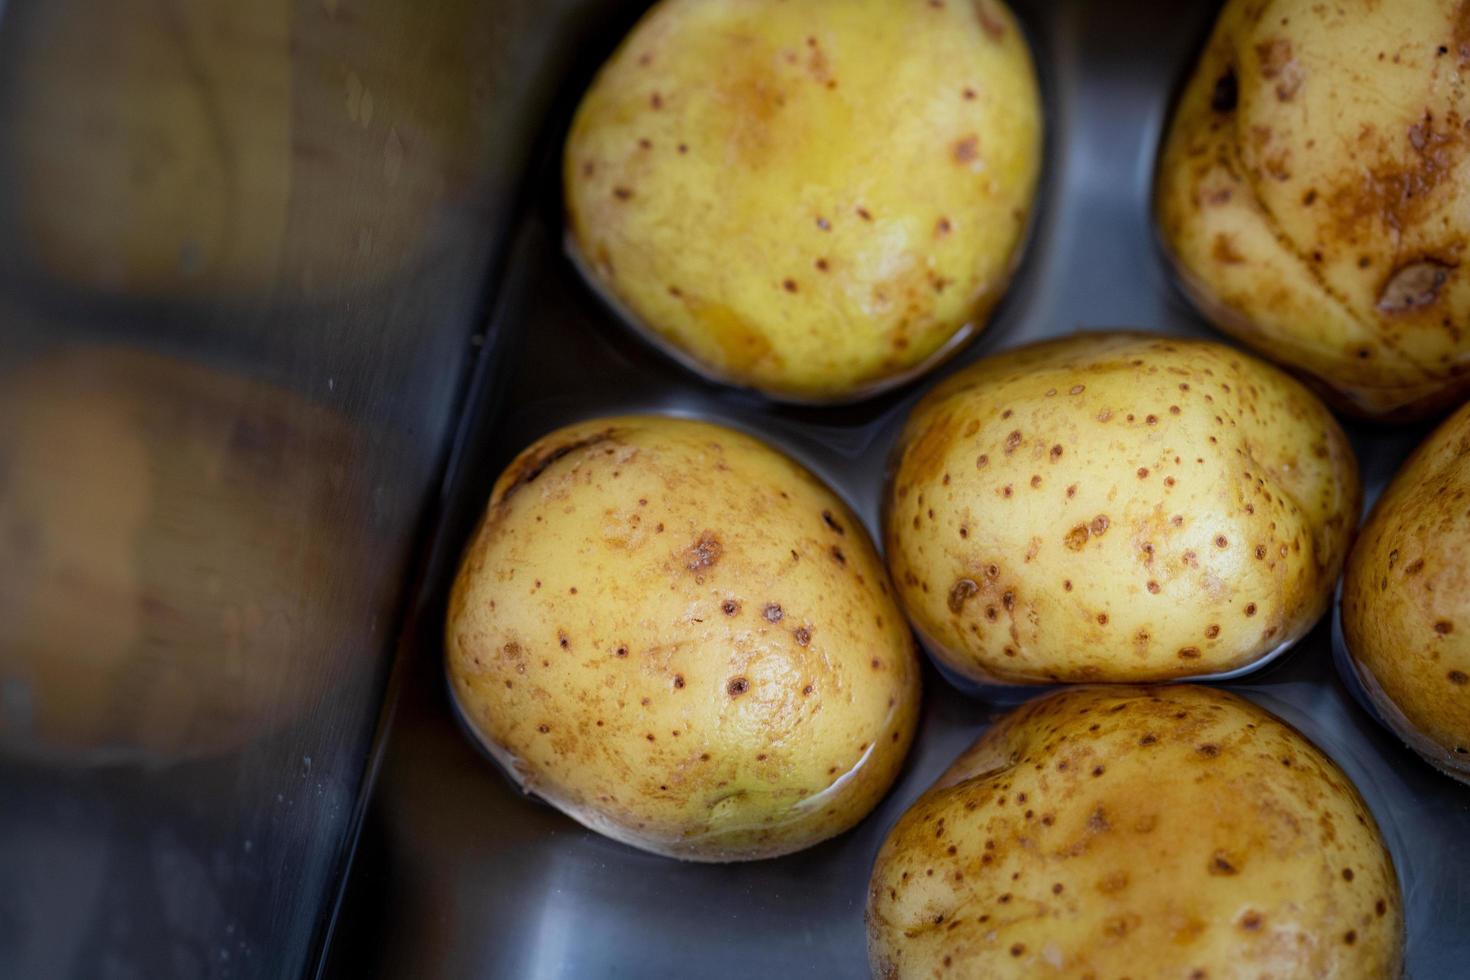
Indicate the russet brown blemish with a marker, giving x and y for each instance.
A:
(961, 590)
(704, 553)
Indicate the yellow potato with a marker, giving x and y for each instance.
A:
(815, 199)
(1312, 192)
(168, 535)
(1107, 832)
(1406, 600)
(683, 640)
(218, 149)
(1117, 507)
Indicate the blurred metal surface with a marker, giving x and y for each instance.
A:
(460, 876)
(243, 257)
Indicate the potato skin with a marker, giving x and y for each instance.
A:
(1117, 507)
(813, 199)
(1310, 191)
(1054, 847)
(1406, 600)
(683, 640)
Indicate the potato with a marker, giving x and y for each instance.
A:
(1165, 832)
(814, 199)
(1311, 192)
(212, 149)
(178, 554)
(1405, 603)
(1117, 507)
(683, 640)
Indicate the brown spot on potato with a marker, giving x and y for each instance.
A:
(1444, 627)
(704, 553)
(737, 686)
(772, 613)
(1076, 538)
(803, 636)
(1099, 525)
(1013, 441)
(1458, 677)
(1222, 864)
(1226, 93)
(729, 607)
(1225, 252)
(962, 590)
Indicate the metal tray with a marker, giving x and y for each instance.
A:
(458, 874)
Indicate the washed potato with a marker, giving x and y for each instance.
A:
(1312, 190)
(683, 640)
(1117, 507)
(814, 199)
(213, 149)
(1166, 832)
(182, 552)
(1405, 602)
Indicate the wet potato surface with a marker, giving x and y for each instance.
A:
(1312, 192)
(1405, 601)
(812, 199)
(1057, 846)
(816, 926)
(683, 639)
(1117, 507)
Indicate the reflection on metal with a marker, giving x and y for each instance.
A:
(174, 539)
(243, 248)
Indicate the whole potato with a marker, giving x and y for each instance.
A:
(1170, 832)
(1117, 507)
(1405, 601)
(182, 554)
(1312, 192)
(683, 640)
(814, 199)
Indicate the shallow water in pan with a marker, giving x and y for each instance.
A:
(460, 875)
